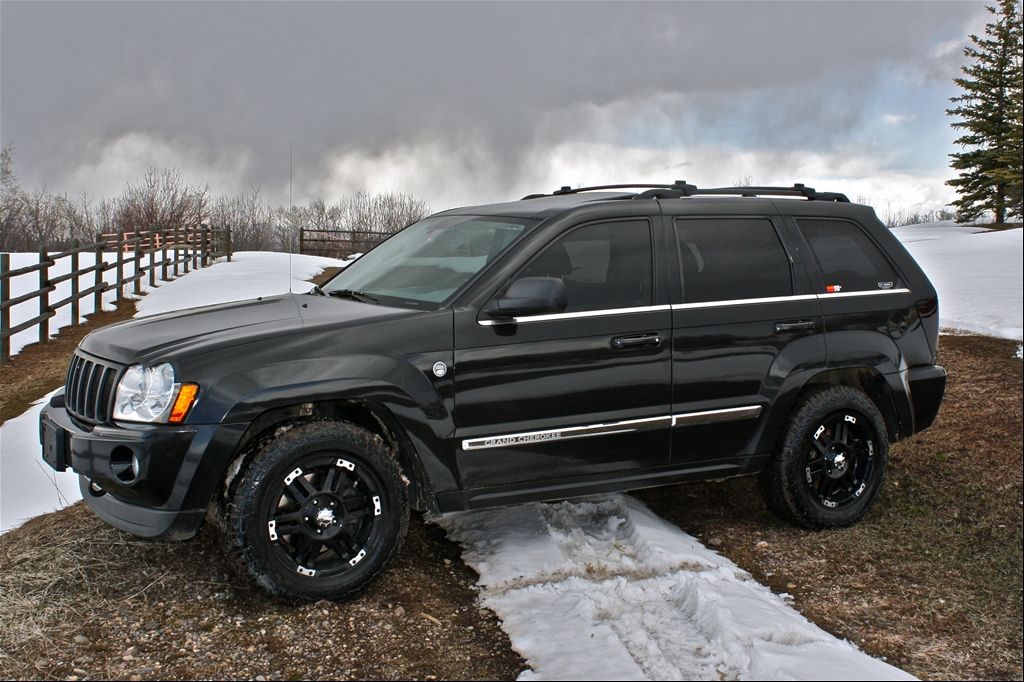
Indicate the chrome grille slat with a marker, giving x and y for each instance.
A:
(89, 390)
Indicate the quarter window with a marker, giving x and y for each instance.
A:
(604, 266)
(847, 258)
(724, 259)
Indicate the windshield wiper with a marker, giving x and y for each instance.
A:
(354, 295)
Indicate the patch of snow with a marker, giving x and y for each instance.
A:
(250, 274)
(28, 487)
(937, 229)
(602, 588)
(978, 276)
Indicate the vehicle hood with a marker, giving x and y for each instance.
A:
(193, 331)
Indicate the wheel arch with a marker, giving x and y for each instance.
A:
(887, 391)
(368, 414)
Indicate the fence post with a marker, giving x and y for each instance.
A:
(74, 282)
(175, 233)
(204, 257)
(302, 240)
(152, 258)
(5, 313)
(120, 265)
(227, 242)
(137, 258)
(44, 294)
(98, 282)
(186, 261)
(163, 255)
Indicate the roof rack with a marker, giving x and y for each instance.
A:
(680, 188)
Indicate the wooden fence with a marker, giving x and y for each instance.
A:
(159, 255)
(338, 243)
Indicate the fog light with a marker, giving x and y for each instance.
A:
(136, 466)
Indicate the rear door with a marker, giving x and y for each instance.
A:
(575, 396)
(744, 319)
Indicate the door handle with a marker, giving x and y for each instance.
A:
(638, 341)
(789, 327)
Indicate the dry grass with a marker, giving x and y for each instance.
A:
(932, 578)
(175, 611)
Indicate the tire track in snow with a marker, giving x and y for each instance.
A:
(602, 588)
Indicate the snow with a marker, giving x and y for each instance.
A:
(28, 487)
(978, 274)
(249, 274)
(601, 588)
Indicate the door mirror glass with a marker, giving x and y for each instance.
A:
(530, 296)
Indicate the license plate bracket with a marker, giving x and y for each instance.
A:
(55, 446)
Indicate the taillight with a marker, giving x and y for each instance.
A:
(928, 307)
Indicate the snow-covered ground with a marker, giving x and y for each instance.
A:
(248, 275)
(602, 589)
(978, 274)
(27, 486)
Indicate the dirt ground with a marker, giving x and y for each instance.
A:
(931, 579)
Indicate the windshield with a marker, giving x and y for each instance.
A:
(428, 262)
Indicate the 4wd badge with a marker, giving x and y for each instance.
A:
(440, 369)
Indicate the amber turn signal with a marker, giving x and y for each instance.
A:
(183, 403)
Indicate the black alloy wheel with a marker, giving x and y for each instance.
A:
(317, 511)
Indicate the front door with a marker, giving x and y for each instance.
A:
(571, 396)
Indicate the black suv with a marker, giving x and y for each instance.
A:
(591, 340)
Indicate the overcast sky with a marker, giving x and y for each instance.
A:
(470, 102)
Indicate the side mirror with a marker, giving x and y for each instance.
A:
(529, 296)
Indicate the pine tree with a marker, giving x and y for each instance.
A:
(989, 109)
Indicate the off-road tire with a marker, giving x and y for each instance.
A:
(251, 502)
(785, 483)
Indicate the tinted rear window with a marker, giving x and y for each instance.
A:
(847, 258)
(724, 259)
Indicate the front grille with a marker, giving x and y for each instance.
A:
(89, 390)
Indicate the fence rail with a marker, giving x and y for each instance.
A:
(157, 254)
(338, 243)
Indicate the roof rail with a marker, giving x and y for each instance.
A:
(566, 189)
(680, 188)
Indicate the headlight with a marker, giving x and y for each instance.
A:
(146, 394)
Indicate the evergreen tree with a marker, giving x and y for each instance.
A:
(989, 109)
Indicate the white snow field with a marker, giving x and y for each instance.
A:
(978, 275)
(28, 487)
(602, 589)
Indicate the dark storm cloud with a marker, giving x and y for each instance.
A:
(227, 85)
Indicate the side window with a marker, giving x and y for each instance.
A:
(725, 259)
(847, 258)
(604, 266)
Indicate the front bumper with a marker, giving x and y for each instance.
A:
(167, 490)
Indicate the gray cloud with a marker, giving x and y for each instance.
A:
(89, 90)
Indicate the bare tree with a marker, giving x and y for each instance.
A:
(161, 201)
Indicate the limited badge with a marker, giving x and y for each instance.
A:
(440, 369)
